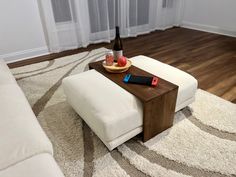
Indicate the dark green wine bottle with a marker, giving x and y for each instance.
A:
(117, 47)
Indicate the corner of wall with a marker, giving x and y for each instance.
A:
(208, 28)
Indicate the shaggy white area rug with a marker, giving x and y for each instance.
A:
(220, 116)
(202, 141)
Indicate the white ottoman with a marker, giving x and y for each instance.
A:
(111, 112)
(187, 83)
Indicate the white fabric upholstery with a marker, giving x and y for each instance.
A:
(21, 134)
(42, 165)
(123, 138)
(108, 109)
(187, 83)
(22, 138)
(5, 76)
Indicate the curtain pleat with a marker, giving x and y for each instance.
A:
(77, 23)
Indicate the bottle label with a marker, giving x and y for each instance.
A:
(117, 54)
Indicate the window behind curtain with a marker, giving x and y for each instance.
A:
(167, 3)
(138, 13)
(61, 10)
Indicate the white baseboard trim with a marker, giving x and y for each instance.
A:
(208, 28)
(24, 54)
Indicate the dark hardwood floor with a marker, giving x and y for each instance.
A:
(210, 58)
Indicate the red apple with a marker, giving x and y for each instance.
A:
(122, 61)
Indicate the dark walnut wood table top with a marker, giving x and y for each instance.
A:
(158, 102)
(143, 92)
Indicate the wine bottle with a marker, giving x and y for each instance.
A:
(117, 47)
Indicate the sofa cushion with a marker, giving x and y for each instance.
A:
(107, 108)
(187, 83)
(21, 134)
(42, 165)
(5, 74)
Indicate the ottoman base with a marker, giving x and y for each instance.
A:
(123, 138)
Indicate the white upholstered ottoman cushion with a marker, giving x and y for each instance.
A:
(108, 109)
(187, 83)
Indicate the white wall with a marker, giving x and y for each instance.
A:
(21, 33)
(217, 16)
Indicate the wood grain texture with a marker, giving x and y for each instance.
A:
(158, 102)
(210, 58)
(143, 92)
(159, 114)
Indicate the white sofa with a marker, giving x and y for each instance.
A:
(114, 114)
(25, 150)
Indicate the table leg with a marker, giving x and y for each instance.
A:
(158, 114)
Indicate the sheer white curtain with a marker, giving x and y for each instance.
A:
(77, 23)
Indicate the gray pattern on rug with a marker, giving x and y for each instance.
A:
(197, 145)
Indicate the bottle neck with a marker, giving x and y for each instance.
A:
(117, 31)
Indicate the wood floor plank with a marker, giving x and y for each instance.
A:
(210, 58)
